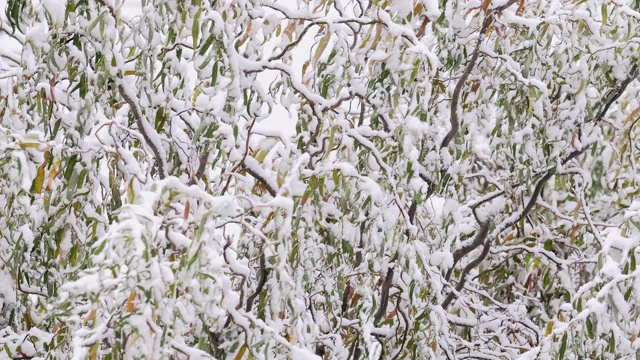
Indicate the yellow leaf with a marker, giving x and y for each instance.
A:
(367, 37)
(376, 37)
(52, 175)
(268, 219)
(262, 154)
(507, 238)
(246, 34)
(304, 70)
(549, 328)
(320, 6)
(130, 301)
(29, 145)
(196, 93)
(39, 180)
(290, 29)
(322, 45)
(241, 352)
(93, 351)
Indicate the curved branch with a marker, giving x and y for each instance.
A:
(455, 122)
(147, 131)
(463, 278)
(262, 273)
(458, 254)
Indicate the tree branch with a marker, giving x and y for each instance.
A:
(458, 254)
(384, 294)
(463, 278)
(146, 129)
(455, 122)
(262, 180)
(262, 273)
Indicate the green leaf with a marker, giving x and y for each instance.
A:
(214, 74)
(100, 247)
(14, 14)
(590, 329)
(563, 347)
(206, 45)
(95, 22)
(612, 342)
(195, 30)
(160, 119)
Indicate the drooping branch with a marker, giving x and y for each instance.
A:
(358, 260)
(384, 293)
(481, 238)
(453, 118)
(251, 166)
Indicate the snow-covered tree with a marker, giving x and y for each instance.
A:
(306, 179)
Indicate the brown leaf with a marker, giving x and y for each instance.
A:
(246, 34)
(485, 6)
(290, 29)
(90, 316)
(475, 84)
(520, 9)
(391, 314)
(130, 301)
(187, 208)
(507, 238)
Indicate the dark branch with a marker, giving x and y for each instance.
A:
(463, 278)
(137, 114)
(262, 180)
(384, 295)
(455, 122)
(202, 164)
(481, 235)
(619, 90)
(262, 274)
